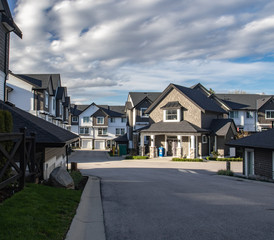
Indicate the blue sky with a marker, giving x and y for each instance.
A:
(106, 48)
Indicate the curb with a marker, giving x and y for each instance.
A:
(88, 223)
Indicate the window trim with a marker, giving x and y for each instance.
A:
(142, 113)
(178, 114)
(123, 119)
(85, 132)
(86, 117)
(249, 115)
(72, 119)
(97, 118)
(102, 131)
(234, 114)
(120, 130)
(112, 120)
(46, 99)
(204, 139)
(270, 111)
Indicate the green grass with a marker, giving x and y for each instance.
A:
(38, 212)
(225, 159)
(136, 157)
(187, 160)
(225, 172)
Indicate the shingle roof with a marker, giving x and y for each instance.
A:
(76, 110)
(46, 132)
(221, 126)
(137, 97)
(113, 111)
(174, 127)
(263, 139)
(122, 138)
(242, 101)
(175, 104)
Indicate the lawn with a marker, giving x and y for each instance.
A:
(38, 212)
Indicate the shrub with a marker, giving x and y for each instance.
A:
(136, 157)
(187, 160)
(225, 172)
(211, 158)
(230, 159)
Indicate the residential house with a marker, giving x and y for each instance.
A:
(52, 142)
(250, 112)
(258, 154)
(135, 107)
(43, 96)
(186, 123)
(98, 125)
(7, 25)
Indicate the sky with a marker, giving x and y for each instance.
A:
(105, 48)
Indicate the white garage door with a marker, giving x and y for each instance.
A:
(86, 143)
(99, 144)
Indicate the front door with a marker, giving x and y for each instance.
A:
(172, 147)
(249, 162)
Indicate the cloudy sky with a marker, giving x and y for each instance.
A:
(106, 48)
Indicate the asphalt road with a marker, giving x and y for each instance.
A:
(149, 202)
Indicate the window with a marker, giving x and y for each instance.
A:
(60, 108)
(53, 104)
(120, 131)
(46, 99)
(84, 130)
(86, 119)
(124, 120)
(269, 114)
(249, 114)
(142, 113)
(100, 120)
(204, 139)
(102, 131)
(233, 114)
(112, 120)
(171, 114)
(74, 119)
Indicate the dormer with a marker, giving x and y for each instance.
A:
(172, 112)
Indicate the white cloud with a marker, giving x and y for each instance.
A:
(139, 45)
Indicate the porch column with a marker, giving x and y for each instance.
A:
(179, 147)
(192, 147)
(153, 151)
(215, 144)
(166, 145)
(196, 147)
(209, 145)
(142, 146)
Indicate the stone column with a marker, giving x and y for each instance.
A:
(192, 146)
(166, 145)
(179, 147)
(153, 151)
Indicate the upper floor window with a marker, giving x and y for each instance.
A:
(102, 131)
(84, 130)
(53, 103)
(249, 114)
(124, 119)
(233, 114)
(143, 114)
(86, 119)
(204, 139)
(112, 120)
(100, 120)
(269, 114)
(120, 131)
(46, 99)
(74, 119)
(60, 108)
(171, 114)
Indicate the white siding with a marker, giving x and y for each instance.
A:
(2, 85)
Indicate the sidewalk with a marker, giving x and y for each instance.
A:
(88, 223)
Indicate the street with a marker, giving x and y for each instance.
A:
(167, 200)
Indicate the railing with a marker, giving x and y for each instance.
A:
(20, 157)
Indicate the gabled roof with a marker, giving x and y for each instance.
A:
(263, 139)
(172, 105)
(99, 113)
(7, 19)
(242, 101)
(221, 126)
(261, 102)
(76, 110)
(174, 127)
(137, 97)
(47, 133)
(196, 96)
(61, 92)
(113, 111)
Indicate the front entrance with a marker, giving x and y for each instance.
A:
(172, 146)
(99, 145)
(249, 162)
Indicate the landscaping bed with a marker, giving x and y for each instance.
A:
(225, 159)
(187, 160)
(136, 157)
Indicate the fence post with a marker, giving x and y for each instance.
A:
(32, 157)
(22, 159)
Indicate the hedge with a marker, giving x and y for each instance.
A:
(225, 159)
(187, 160)
(136, 157)
(225, 172)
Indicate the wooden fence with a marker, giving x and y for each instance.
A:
(20, 157)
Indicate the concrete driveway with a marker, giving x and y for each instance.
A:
(158, 199)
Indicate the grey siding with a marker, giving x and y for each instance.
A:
(263, 163)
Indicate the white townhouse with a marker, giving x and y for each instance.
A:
(98, 125)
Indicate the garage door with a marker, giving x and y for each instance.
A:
(99, 144)
(86, 143)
